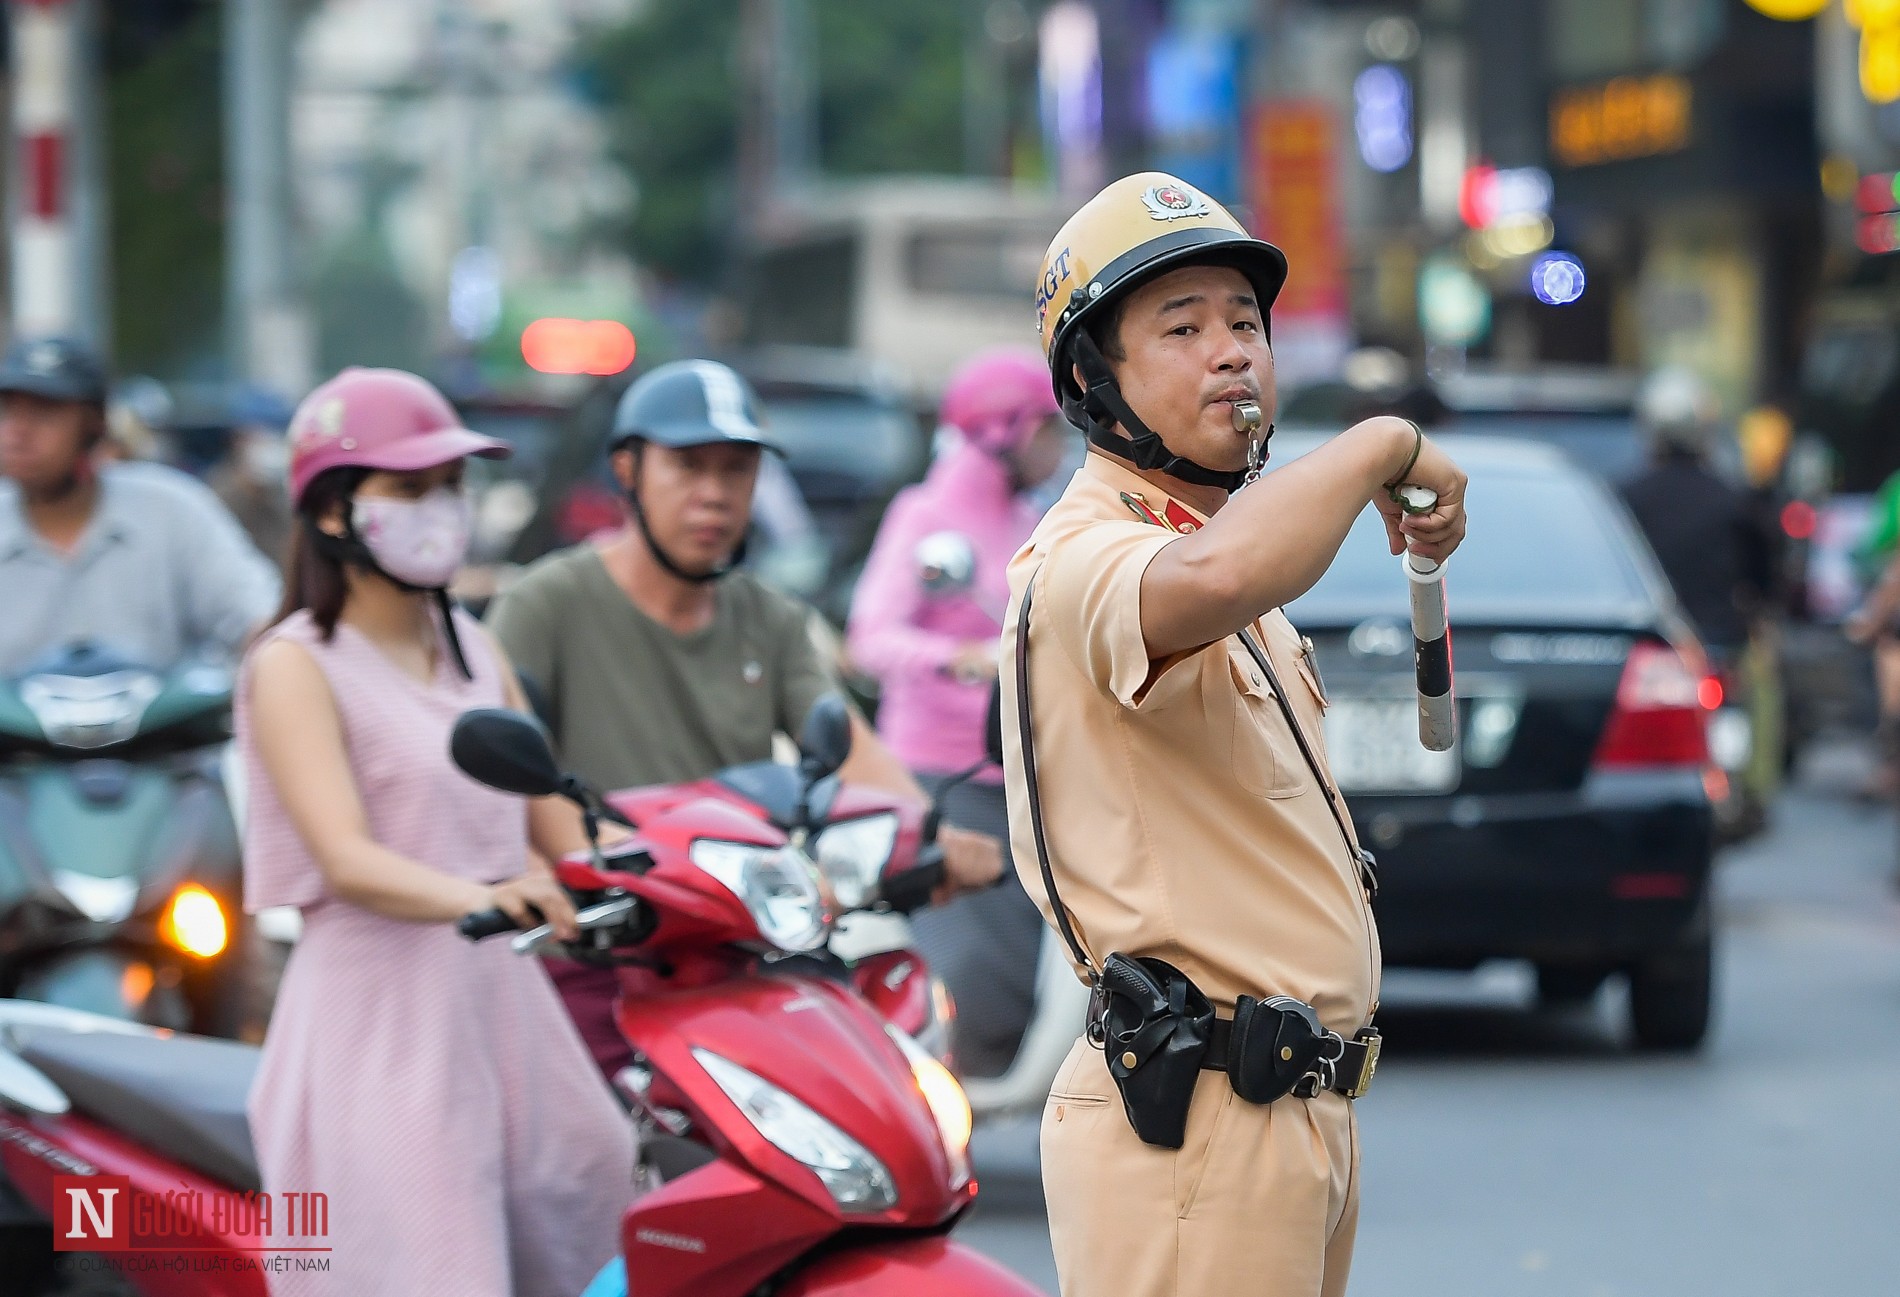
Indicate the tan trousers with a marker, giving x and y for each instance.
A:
(1259, 1201)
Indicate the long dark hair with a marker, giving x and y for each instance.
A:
(314, 579)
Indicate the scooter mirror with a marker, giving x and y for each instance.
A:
(506, 750)
(826, 739)
(993, 725)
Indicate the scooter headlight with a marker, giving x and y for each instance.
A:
(853, 853)
(90, 711)
(857, 1181)
(948, 1104)
(778, 885)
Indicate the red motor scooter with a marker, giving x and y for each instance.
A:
(802, 1141)
(805, 1143)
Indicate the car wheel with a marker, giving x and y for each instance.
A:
(1671, 995)
(1568, 985)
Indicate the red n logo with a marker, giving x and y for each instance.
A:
(92, 1213)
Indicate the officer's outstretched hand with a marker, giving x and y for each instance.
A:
(971, 862)
(1436, 534)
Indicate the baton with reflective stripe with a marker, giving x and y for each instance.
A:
(1431, 634)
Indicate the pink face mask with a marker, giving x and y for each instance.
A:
(421, 542)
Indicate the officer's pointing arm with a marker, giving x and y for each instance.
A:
(1272, 541)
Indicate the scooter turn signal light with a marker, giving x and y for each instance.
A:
(194, 923)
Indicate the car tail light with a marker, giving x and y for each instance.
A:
(1659, 718)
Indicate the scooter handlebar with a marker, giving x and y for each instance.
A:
(912, 889)
(485, 923)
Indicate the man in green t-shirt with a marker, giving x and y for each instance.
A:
(661, 663)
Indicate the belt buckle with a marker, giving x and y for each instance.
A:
(1363, 1082)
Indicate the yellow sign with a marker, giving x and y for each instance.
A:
(1630, 117)
(1790, 11)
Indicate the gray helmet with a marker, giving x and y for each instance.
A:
(691, 403)
(58, 369)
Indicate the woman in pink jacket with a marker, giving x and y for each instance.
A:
(925, 621)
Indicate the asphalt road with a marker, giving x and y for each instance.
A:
(1514, 1152)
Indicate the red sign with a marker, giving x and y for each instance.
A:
(1293, 185)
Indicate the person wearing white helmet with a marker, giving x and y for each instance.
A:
(1704, 534)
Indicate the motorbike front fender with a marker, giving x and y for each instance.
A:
(917, 1267)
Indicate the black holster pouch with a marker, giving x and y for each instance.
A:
(1155, 1026)
(1275, 1042)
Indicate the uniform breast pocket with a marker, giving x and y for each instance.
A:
(1266, 762)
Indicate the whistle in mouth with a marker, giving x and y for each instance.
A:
(1247, 416)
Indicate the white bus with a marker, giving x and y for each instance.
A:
(912, 273)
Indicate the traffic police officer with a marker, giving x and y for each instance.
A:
(1183, 817)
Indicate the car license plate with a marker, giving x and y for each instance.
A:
(1374, 748)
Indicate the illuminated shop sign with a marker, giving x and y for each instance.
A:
(1628, 117)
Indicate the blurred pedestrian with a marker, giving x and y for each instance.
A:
(924, 622)
(1717, 548)
(432, 1087)
(137, 558)
(1704, 532)
(250, 477)
(250, 482)
(1876, 625)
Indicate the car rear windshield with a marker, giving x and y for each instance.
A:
(1609, 445)
(1538, 540)
(865, 440)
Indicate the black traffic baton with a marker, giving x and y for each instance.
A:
(1431, 634)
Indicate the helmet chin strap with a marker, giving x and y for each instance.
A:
(1102, 406)
(350, 550)
(660, 556)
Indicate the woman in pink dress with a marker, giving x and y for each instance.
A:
(433, 1089)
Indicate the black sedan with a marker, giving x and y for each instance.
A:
(1571, 825)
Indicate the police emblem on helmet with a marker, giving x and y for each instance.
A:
(1173, 202)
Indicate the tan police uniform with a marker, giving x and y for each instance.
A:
(1184, 824)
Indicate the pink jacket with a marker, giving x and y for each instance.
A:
(906, 637)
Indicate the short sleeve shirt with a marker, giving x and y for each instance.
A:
(1183, 822)
(162, 573)
(634, 703)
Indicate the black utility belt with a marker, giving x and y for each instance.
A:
(1160, 1032)
(1344, 1067)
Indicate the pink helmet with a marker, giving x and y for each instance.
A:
(999, 397)
(385, 419)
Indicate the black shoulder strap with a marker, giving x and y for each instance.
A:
(1063, 924)
(1363, 859)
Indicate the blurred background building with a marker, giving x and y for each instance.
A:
(265, 191)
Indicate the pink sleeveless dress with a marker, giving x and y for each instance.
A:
(433, 1088)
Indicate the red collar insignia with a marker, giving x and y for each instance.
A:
(1181, 520)
(1174, 517)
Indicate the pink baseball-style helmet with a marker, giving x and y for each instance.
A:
(385, 419)
(999, 397)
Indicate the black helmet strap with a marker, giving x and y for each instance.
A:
(1102, 406)
(349, 550)
(638, 446)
